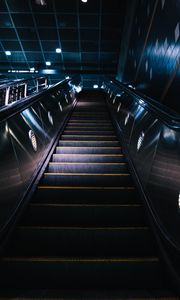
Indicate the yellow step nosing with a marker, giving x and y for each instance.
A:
(103, 205)
(88, 154)
(83, 141)
(83, 260)
(86, 187)
(65, 131)
(88, 163)
(120, 228)
(89, 127)
(89, 115)
(80, 121)
(87, 135)
(85, 174)
(87, 147)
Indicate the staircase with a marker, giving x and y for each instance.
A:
(85, 226)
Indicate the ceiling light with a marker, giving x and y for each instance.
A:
(58, 50)
(84, 1)
(32, 69)
(78, 88)
(8, 53)
(95, 86)
(41, 2)
(67, 77)
(48, 63)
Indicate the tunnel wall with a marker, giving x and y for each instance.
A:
(152, 52)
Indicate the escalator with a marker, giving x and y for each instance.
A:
(85, 227)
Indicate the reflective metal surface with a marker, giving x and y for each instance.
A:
(154, 149)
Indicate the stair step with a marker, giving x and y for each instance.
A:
(94, 114)
(104, 158)
(68, 273)
(88, 143)
(86, 179)
(95, 122)
(85, 137)
(87, 167)
(88, 150)
(89, 127)
(48, 214)
(88, 132)
(90, 118)
(85, 228)
(86, 195)
(81, 241)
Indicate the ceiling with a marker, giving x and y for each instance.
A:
(89, 35)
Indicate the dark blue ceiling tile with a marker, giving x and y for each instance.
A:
(67, 21)
(45, 20)
(31, 45)
(70, 46)
(5, 21)
(89, 21)
(11, 45)
(68, 34)
(68, 6)
(48, 34)
(18, 6)
(27, 34)
(23, 20)
(7, 34)
(92, 6)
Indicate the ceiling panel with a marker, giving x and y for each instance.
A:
(67, 21)
(92, 57)
(8, 34)
(45, 20)
(27, 35)
(23, 20)
(68, 6)
(89, 21)
(68, 34)
(30, 46)
(16, 6)
(89, 35)
(92, 6)
(90, 46)
(48, 34)
(69, 46)
(11, 45)
(5, 21)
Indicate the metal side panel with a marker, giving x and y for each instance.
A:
(25, 140)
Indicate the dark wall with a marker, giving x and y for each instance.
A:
(153, 50)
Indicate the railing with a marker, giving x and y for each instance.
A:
(16, 90)
(28, 130)
(151, 138)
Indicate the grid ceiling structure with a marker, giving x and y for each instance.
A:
(89, 35)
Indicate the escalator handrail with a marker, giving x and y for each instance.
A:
(19, 81)
(166, 115)
(14, 108)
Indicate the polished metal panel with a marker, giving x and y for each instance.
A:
(25, 138)
(164, 182)
(153, 142)
(10, 177)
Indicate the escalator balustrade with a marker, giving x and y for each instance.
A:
(85, 226)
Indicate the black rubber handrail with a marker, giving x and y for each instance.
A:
(166, 115)
(3, 82)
